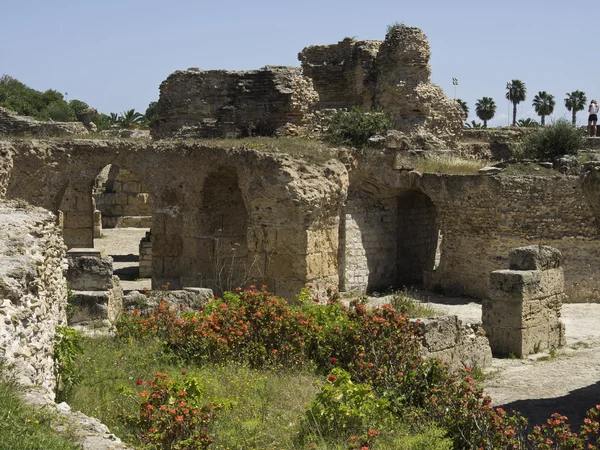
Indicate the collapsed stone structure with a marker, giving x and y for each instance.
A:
(391, 75)
(14, 125)
(196, 103)
(522, 314)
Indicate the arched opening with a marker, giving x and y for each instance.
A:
(222, 233)
(387, 242)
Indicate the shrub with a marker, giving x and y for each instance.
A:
(354, 127)
(171, 417)
(67, 346)
(559, 138)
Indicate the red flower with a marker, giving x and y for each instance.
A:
(331, 378)
(139, 382)
(183, 372)
(333, 360)
(372, 432)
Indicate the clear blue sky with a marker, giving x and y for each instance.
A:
(114, 54)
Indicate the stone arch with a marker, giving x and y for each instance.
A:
(387, 241)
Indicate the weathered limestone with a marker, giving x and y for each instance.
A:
(521, 315)
(196, 103)
(33, 291)
(122, 199)
(391, 75)
(14, 125)
(454, 342)
(145, 260)
(96, 292)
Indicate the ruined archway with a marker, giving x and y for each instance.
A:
(387, 241)
(221, 233)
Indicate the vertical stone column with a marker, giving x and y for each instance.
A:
(146, 256)
(77, 212)
(521, 315)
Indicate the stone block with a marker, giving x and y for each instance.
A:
(291, 241)
(121, 198)
(528, 284)
(286, 266)
(197, 247)
(131, 186)
(78, 237)
(437, 334)
(534, 257)
(88, 271)
(75, 219)
(167, 244)
(89, 305)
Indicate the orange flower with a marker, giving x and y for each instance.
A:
(144, 394)
(372, 432)
(179, 418)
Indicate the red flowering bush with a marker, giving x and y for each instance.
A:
(171, 418)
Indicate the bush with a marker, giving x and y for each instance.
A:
(559, 138)
(354, 127)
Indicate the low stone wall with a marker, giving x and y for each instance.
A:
(33, 291)
(11, 124)
(146, 256)
(458, 344)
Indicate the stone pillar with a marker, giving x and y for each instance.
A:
(521, 315)
(146, 256)
(97, 224)
(96, 293)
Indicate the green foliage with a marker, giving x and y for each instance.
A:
(67, 346)
(485, 108)
(516, 92)
(130, 119)
(543, 103)
(355, 127)
(77, 105)
(558, 138)
(26, 428)
(104, 122)
(463, 105)
(48, 105)
(473, 124)
(343, 408)
(171, 416)
(527, 123)
(152, 113)
(574, 102)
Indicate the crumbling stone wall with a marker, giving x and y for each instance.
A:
(290, 209)
(196, 103)
(11, 124)
(391, 75)
(522, 314)
(122, 199)
(33, 290)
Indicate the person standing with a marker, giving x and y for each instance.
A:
(593, 118)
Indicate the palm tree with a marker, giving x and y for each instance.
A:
(543, 103)
(527, 123)
(516, 93)
(485, 108)
(473, 124)
(463, 105)
(574, 102)
(130, 118)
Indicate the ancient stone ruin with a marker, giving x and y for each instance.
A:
(522, 314)
(391, 75)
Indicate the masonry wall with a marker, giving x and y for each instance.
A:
(33, 291)
(483, 217)
(122, 198)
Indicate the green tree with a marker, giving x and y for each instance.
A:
(130, 118)
(77, 105)
(152, 113)
(516, 92)
(473, 124)
(463, 105)
(574, 102)
(543, 103)
(485, 108)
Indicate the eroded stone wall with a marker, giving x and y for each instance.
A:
(11, 124)
(196, 103)
(393, 76)
(33, 290)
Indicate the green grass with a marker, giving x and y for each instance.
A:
(415, 304)
(259, 409)
(24, 428)
(449, 164)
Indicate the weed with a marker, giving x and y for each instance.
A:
(67, 345)
(546, 143)
(448, 164)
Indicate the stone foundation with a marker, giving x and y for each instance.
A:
(96, 294)
(521, 315)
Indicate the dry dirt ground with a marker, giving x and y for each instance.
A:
(567, 381)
